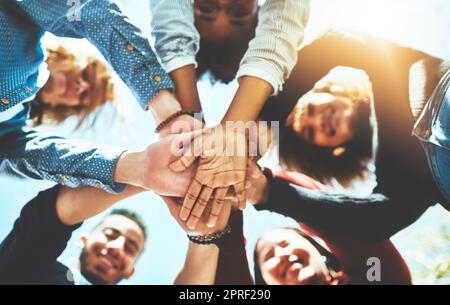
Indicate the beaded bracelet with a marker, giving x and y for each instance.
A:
(212, 239)
(171, 118)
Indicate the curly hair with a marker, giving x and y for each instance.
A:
(321, 163)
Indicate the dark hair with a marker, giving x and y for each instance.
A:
(320, 162)
(92, 277)
(332, 262)
(132, 216)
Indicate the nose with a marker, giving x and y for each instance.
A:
(281, 252)
(116, 247)
(82, 85)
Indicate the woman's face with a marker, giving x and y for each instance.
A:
(287, 258)
(222, 21)
(69, 85)
(323, 119)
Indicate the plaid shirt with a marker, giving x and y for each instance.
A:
(23, 24)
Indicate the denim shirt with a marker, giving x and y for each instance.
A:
(23, 23)
(271, 55)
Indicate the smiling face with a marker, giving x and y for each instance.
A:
(111, 250)
(221, 21)
(77, 86)
(284, 257)
(225, 27)
(70, 84)
(323, 119)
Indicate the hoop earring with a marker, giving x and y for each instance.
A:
(339, 151)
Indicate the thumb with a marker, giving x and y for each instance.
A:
(191, 154)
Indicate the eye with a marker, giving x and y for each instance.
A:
(310, 110)
(283, 244)
(239, 12)
(207, 8)
(110, 234)
(269, 254)
(311, 134)
(85, 74)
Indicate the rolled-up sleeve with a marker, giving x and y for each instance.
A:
(74, 163)
(177, 41)
(272, 54)
(103, 23)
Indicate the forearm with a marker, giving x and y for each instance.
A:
(176, 38)
(103, 23)
(372, 218)
(200, 266)
(249, 100)
(74, 206)
(67, 162)
(272, 53)
(233, 266)
(186, 92)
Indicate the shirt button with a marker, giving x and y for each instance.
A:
(64, 179)
(130, 47)
(4, 101)
(157, 79)
(99, 185)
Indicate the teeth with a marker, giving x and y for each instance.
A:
(293, 258)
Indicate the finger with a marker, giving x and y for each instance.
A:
(189, 200)
(183, 163)
(217, 205)
(192, 151)
(199, 208)
(240, 194)
(184, 139)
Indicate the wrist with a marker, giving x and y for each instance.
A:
(183, 123)
(163, 106)
(129, 169)
(217, 238)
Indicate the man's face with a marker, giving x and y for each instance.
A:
(111, 250)
(287, 258)
(69, 85)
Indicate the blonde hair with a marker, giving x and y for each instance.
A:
(101, 91)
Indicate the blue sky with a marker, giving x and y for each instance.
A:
(421, 24)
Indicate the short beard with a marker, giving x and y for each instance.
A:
(93, 278)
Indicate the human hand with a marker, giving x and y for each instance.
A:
(256, 184)
(183, 123)
(175, 206)
(223, 159)
(149, 169)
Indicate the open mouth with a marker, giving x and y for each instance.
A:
(290, 267)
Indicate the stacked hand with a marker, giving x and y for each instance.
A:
(175, 206)
(149, 169)
(222, 155)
